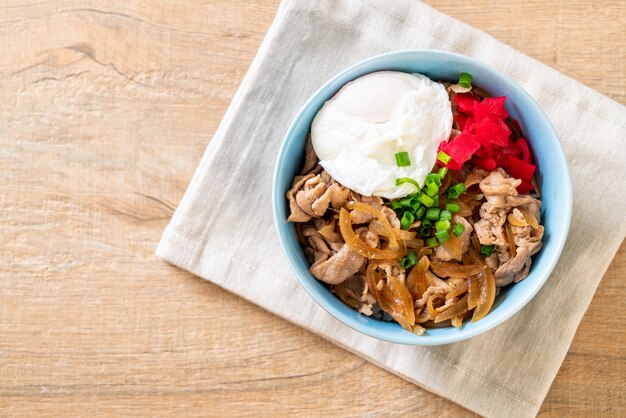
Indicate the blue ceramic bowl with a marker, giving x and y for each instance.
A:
(552, 175)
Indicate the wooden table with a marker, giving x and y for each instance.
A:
(106, 108)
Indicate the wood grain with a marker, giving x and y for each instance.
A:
(105, 110)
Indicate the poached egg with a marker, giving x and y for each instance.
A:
(357, 133)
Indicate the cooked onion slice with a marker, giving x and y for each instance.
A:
(416, 280)
(425, 251)
(454, 270)
(510, 239)
(487, 295)
(516, 221)
(357, 245)
(414, 244)
(373, 277)
(433, 280)
(432, 313)
(457, 321)
(456, 309)
(328, 230)
(393, 242)
(458, 291)
(472, 179)
(530, 219)
(487, 289)
(473, 292)
(469, 196)
(402, 303)
(377, 227)
(393, 298)
(475, 242)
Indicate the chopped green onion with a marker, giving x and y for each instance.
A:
(434, 178)
(409, 260)
(445, 215)
(442, 225)
(486, 250)
(465, 80)
(458, 229)
(395, 204)
(407, 220)
(443, 157)
(420, 212)
(402, 159)
(431, 242)
(425, 231)
(415, 204)
(425, 200)
(442, 172)
(406, 202)
(431, 189)
(442, 236)
(436, 201)
(403, 180)
(457, 190)
(432, 214)
(453, 207)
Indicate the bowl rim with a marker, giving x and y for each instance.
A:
(408, 338)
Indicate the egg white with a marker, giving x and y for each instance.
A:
(357, 133)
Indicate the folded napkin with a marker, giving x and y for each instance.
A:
(223, 229)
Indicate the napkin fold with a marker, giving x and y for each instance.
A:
(223, 230)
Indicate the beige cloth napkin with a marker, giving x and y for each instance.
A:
(223, 229)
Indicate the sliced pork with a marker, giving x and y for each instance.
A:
(311, 196)
(503, 206)
(442, 253)
(500, 190)
(354, 292)
(339, 267)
